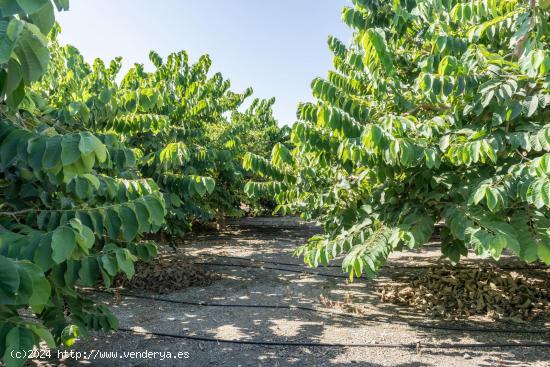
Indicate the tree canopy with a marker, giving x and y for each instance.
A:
(435, 120)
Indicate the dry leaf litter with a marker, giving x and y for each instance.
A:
(165, 274)
(460, 293)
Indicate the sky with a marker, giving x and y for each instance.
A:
(276, 47)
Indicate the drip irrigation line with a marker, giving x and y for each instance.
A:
(309, 272)
(273, 268)
(271, 262)
(385, 266)
(342, 345)
(331, 345)
(332, 314)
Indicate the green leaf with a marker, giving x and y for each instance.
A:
(532, 104)
(376, 50)
(52, 154)
(43, 253)
(489, 151)
(453, 251)
(7, 43)
(543, 252)
(545, 193)
(84, 237)
(129, 222)
(43, 333)
(143, 216)
(209, 183)
(90, 144)
(44, 18)
(41, 288)
(89, 271)
(197, 186)
(496, 245)
(492, 199)
(61, 4)
(32, 6)
(479, 240)
(479, 194)
(125, 262)
(18, 339)
(156, 209)
(32, 52)
(109, 264)
(112, 223)
(8, 149)
(69, 335)
(70, 152)
(15, 76)
(63, 244)
(9, 281)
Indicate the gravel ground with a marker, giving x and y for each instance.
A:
(382, 325)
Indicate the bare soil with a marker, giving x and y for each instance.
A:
(382, 324)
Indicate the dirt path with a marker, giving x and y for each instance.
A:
(387, 325)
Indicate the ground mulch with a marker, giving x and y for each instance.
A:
(166, 273)
(454, 293)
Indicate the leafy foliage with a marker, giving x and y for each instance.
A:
(90, 163)
(436, 118)
(253, 131)
(174, 119)
(67, 217)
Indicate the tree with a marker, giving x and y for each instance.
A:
(67, 216)
(91, 164)
(183, 127)
(436, 118)
(255, 131)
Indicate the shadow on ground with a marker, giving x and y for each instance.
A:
(384, 329)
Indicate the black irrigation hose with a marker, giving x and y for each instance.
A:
(305, 271)
(271, 262)
(346, 316)
(385, 266)
(273, 268)
(343, 345)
